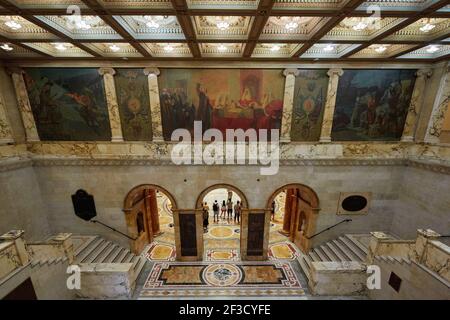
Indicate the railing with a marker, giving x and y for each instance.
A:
(331, 227)
(113, 229)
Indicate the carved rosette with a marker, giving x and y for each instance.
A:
(111, 101)
(415, 104)
(155, 108)
(24, 104)
(330, 104)
(439, 109)
(288, 104)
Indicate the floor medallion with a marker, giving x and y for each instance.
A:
(222, 275)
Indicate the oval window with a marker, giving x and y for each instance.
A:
(354, 203)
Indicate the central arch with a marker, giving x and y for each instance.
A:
(301, 208)
(198, 203)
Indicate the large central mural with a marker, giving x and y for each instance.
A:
(372, 104)
(221, 99)
(68, 104)
(309, 101)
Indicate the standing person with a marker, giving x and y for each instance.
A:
(223, 210)
(272, 210)
(237, 212)
(216, 211)
(205, 217)
(229, 210)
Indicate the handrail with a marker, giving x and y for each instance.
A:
(331, 227)
(115, 230)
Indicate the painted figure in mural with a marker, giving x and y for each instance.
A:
(372, 104)
(47, 108)
(204, 107)
(87, 108)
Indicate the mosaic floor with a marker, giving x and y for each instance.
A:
(248, 279)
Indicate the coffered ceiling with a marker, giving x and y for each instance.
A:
(279, 30)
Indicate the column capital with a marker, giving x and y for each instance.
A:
(335, 71)
(103, 71)
(424, 73)
(151, 71)
(291, 71)
(12, 70)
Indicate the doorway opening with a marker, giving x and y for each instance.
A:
(294, 210)
(222, 207)
(149, 218)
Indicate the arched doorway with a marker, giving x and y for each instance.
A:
(295, 208)
(148, 214)
(222, 232)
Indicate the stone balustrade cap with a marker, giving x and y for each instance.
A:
(13, 234)
(428, 233)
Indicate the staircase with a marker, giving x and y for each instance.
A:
(349, 247)
(95, 249)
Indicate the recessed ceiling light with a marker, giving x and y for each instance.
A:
(168, 48)
(328, 48)
(432, 49)
(222, 48)
(13, 25)
(6, 47)
(114, 48)
(60, 46)
(428, 27)
(275, 48)
(291, 25)
(360, 26)
(380, 49)
(222, 25)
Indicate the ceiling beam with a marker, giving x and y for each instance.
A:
(95, 6)
(19, 44)
(418, 15)
(424, 44)
(330, 24)
(259, 22)
(186, 25)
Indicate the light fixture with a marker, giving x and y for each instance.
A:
(275, 48)
(328, 48)
(6, 47)
(13, 25)
(222, 48)
(168, 48)
(222, 25)
(151, 21)
(114, 47)
(360, 26)
(432, 49)
(380, 49)
(292, 25)
(81, 24)
(427, 27)
(60, 46)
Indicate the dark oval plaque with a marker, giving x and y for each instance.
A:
(354, 203)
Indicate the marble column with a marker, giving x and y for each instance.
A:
(111, 101)
(288, 104)
(152, 205)
(439, 109)
(155, 107)
(24, 104)
(328, 113)
(416, 104)
(5, 127)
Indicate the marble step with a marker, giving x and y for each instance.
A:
(352, 248)
(96, 252)
(139, 266)
(101, 257)
(116, 249)
(313, 256)
(84, 245)
(89, 249)
(321, 255)
(305, 266)
(336, 252)
(121, 256)
(358, 244)
(128, 258)
(350, 256)
(330, 255)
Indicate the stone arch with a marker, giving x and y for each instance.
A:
(225, 186)
(310, 194)
(135, 192)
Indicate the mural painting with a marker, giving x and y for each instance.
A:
(68, 104)
(221, 99)
(134, 105)
(372, 104)
(309, 102)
